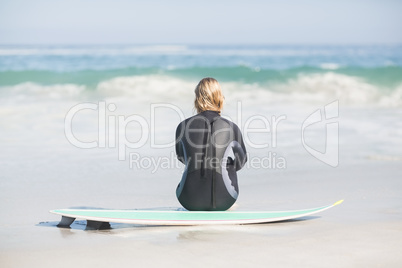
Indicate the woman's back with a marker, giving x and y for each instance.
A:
(212, 149)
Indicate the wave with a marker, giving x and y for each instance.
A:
(314, 87)
(384, 77)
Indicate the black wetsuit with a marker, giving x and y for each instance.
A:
(212, 149)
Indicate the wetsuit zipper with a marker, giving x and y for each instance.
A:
(213, 150)
(205, 143)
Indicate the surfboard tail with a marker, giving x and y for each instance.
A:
(65, 222)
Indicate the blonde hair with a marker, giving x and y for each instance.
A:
(208, 96)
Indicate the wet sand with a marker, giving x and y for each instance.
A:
(364, 231)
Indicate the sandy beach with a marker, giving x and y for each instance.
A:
(365, 231)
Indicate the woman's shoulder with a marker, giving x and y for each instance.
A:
(185, 122)
(229, 122)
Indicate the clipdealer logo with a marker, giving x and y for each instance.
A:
(329, 116)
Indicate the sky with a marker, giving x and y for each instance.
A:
(200, 22)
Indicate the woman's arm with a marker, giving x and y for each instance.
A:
(179, 145)
(239, 150)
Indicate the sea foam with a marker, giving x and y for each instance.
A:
(317, 88)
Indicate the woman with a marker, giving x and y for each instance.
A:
(212, 149)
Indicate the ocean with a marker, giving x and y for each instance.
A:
(356, 75)
(40, 84)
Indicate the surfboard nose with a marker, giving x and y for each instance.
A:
(338, 202)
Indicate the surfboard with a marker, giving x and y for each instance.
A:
(100, 218)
